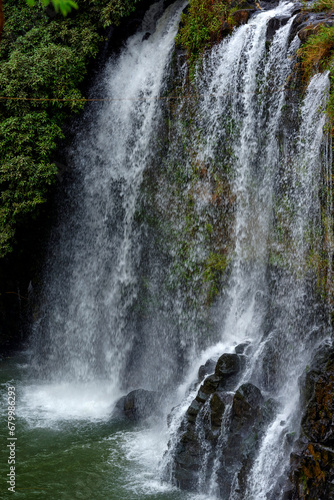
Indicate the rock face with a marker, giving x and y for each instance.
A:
(201, 425)
(306, 23)
(138, 405)
(249, 415)
(206, 369)
(274, 24)
(312, 461)
(243, 415)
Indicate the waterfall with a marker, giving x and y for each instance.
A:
(275, 172)
(193, 224)
(91, 281)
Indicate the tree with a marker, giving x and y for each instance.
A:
(2, 19)
(64, 6)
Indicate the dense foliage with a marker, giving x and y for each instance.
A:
(64, 6)
(43, 56)
(204, 24)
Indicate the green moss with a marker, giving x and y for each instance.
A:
(201, 27)
(319, 6)
(317, 54)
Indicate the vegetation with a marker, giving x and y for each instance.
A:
(43, 56)
(317, 51)
(64, 6)
(320, 6)
(202, 26)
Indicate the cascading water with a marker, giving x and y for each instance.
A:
(272, 306)
(296, 330)
(228, 180)
(85, 332)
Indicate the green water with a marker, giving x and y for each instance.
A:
(61, 456)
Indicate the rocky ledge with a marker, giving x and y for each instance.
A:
(244, 412)
(312, 460)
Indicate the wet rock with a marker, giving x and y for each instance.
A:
(312, 460)
(312, 28)
(268, 5)
(217, 407)
(209, 386)
(241, 348)
(247, 400)
(138, 405)
(187, 461)
(202, 423)
(206, 369)
(227, 365)
(250, 415)
(306, 24)
(274, 24)
(313, 473)
(193, 410)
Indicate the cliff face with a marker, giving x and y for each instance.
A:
(312, 460)
(225, 424)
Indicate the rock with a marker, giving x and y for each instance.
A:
(209, 386)
(274, 24)
(250, 415)
(313, 27)
(241, 348)
(268, 5)
(312, 459)
(247, 400)
(241, 16)
(227, 365)
(138, 405)
(312, 473)
(202, 423)
(307, 23)
(206, 369)
(217, 407)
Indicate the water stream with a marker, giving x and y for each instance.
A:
(90, 344)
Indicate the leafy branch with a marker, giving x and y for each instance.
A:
(64, 6)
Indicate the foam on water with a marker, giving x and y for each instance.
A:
(46, 404)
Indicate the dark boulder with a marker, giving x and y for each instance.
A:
(274, 24)
(138, 405)
(227, 365)
(249, 417)
(206, 369)
(242, 348)
(247, 400)
(217, 407)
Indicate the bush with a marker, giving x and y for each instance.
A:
(201, 27)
